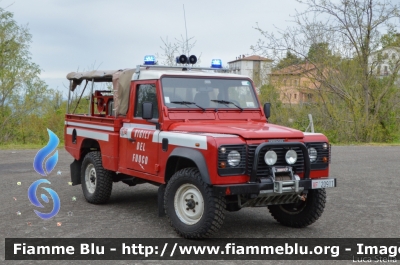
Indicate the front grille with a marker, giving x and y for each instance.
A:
(263, 168)
(246, 162)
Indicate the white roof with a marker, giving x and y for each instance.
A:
(147, 74)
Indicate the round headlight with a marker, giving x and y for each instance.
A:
(291, 157)
(312, 153)
(270, 158)
(233, 158)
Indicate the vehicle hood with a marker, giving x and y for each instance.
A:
(248, 130)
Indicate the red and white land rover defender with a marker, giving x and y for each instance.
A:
(204, 139)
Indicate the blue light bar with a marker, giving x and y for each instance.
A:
(149, 60)
(216, 63)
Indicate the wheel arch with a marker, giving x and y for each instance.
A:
(182, 157)
(87, 146)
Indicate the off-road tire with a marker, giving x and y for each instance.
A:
(100, 191)
(300, 214)
(213, 213)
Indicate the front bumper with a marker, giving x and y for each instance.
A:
(277, 187)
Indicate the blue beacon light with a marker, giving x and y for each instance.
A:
(216, 63)
(149, 60)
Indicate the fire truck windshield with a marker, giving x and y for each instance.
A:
(208, 93)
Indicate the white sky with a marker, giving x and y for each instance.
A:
(86, 34)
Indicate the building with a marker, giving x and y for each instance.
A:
(385, 62)
(256, 67)
(296, 83)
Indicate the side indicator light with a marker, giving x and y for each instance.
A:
(228, 191)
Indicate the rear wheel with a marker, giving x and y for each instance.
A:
(301, 213)
(192, 209)
(96, 181)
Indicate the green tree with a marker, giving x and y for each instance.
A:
(356, 103)
(391, 39)
(268, 93)
(319, 52)
(289, 60)
(21, 90)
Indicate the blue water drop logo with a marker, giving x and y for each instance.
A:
(34, 200)
(41, 155)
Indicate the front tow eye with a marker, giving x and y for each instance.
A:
(302, 197)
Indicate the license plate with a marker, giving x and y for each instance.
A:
(282, 169)
(322, 183)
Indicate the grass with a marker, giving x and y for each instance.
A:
(25, 146)
(394, 143)
(368, 144)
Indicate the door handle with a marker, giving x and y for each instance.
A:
(132, 140)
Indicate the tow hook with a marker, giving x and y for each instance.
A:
(302, 197)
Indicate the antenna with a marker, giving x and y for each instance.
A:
(187, 44)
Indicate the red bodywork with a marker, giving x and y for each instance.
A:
(132, 145)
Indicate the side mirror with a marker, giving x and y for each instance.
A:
(147, 110)
(267, 110)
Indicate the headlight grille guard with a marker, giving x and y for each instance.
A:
(303, 148)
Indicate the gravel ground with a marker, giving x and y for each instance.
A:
(364, 205)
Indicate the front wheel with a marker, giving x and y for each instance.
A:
(96, 181)
(301, 213)
(191, 208)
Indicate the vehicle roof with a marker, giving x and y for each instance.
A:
(147, 74)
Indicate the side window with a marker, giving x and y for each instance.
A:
(146, 93)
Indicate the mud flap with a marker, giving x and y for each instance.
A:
(161, 191)
(75, 168)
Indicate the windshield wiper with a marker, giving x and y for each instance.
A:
(187, 103)
(226, 103)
